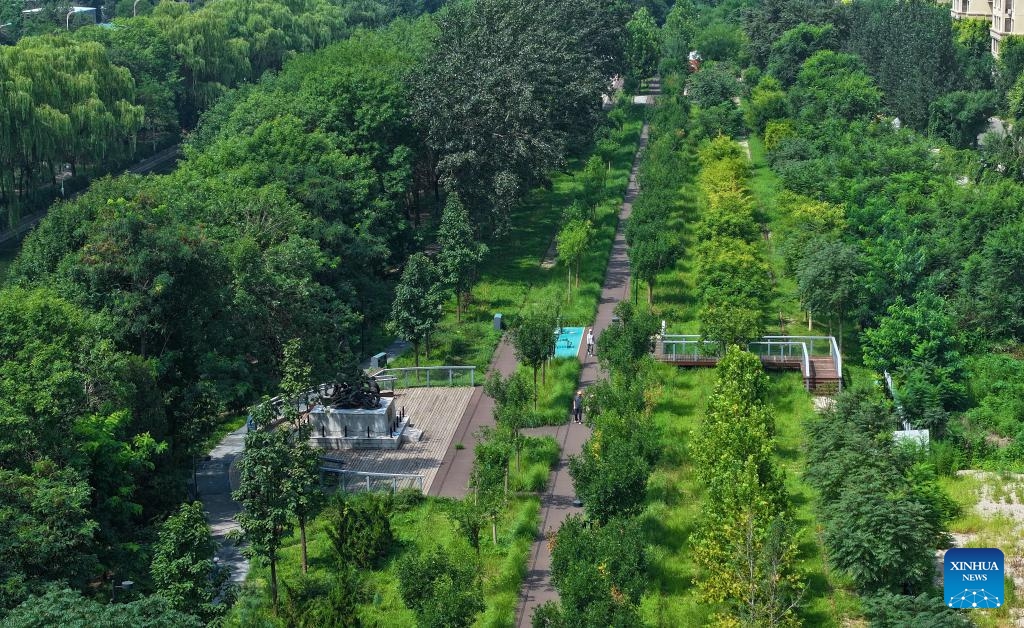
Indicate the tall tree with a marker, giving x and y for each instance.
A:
(573, 240)
(417, 307)
(460, 254)
(263, 474)
(533, 339)
(183, 568)
(302, 485)
(643, 46)
(828, 280)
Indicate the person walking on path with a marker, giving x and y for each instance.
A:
(577, 407)
(590, 341)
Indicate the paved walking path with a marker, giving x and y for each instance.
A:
(215, 479)
(452, 478)
(557, 503)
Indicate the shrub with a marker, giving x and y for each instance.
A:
(360, 528)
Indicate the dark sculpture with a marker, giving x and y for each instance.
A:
(363, 392)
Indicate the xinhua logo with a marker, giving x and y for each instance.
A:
(973, 577)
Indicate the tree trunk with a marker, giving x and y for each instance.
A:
(302, 538)
(810, 321)
(494, 530)
(273, 581)
(568, 295)
(650, 293)
(416, 352)
(535, 387)
(458, 306)
(577, 273)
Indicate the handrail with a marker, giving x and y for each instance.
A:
(400, 374)
(415, 478)
(837, 357)
(805, 363)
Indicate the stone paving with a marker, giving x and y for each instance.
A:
(216, 477)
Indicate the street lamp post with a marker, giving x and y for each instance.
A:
(134, 4)
(67, 24)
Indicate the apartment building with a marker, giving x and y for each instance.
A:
(1001, 14)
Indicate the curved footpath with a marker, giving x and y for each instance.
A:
(215, 479)
(557, 503)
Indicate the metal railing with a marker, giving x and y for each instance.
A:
(692, 346)
(358, 481)
(410, 377)
(794, 349)
(783, 352)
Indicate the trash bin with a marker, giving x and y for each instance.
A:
(497, 321)
(379, 361)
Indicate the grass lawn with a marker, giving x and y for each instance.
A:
(512, 276)
(674, 503)
(420, 528)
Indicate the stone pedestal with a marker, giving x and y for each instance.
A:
(358, 428)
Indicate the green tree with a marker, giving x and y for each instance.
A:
(973, 44)
(610, 477)
(64, 607)
(360, 528)
(828, 280)
(183, 569)
(908, 48)
(442, 590)
(767, 102)
(715, 84)
(594, 178)
(832, 84)
(923, 335)
(572, 244)
(600, 572)
(795, 46)
(767, 22)
(460, 255)
(533, 338)
(959, 117)
(417, 308)
(263, 473)
(677, 36)
(623, 346)
(302, 486)
(511, 400)
(992, 283)
(652, 249)
(643, 45)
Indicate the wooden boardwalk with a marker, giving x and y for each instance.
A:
(435, 411)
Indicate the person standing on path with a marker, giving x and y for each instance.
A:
(590, 341)
(577, 407)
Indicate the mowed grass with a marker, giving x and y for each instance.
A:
(512, 276)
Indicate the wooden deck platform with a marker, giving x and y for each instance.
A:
(435, 411)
